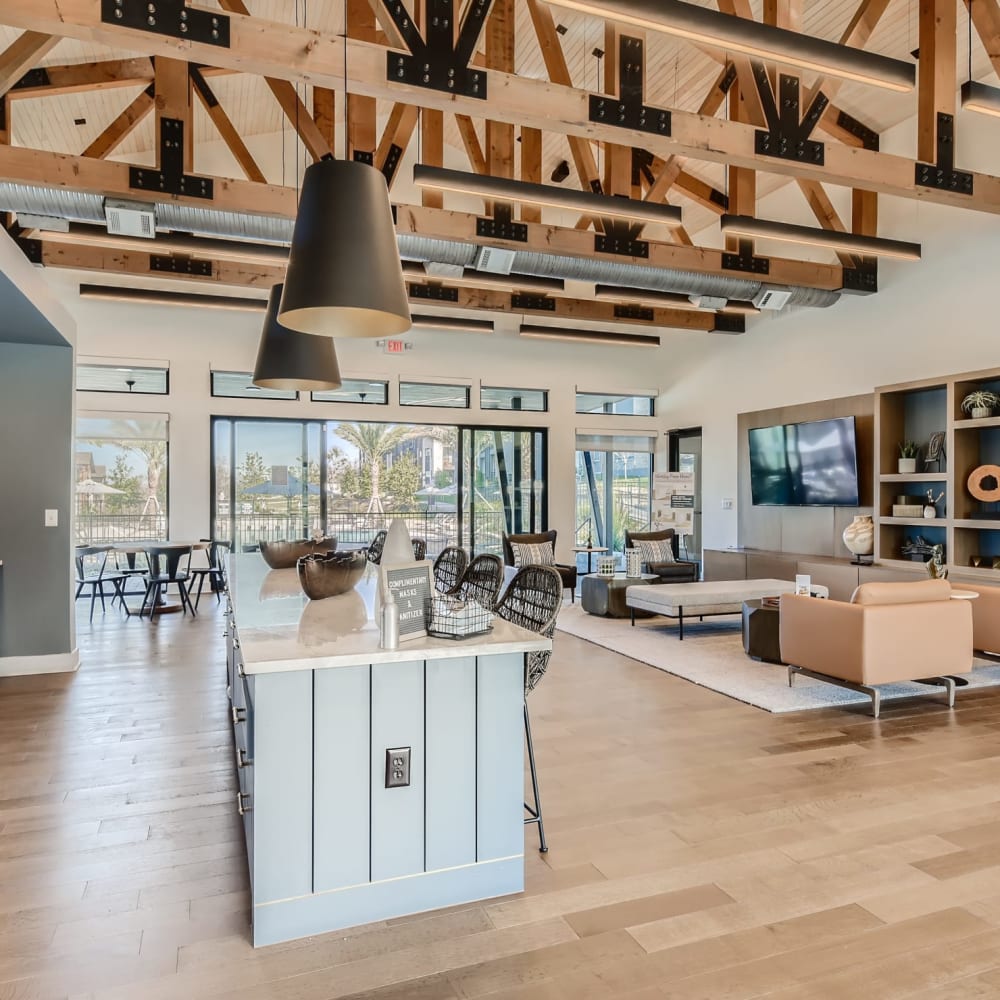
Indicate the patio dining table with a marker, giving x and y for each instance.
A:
(139, 547)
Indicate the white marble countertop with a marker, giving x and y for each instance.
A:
(281, 629)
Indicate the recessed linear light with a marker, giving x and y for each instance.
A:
(451, 323)
(874, 246)
(506, 189)
(152, 296)
(608, 337)
(979, 97)
(483, 279)
(763, 41)
(668, 300)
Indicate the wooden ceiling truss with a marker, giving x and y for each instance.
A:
(432, 67)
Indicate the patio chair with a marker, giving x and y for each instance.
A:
(373, 551)
(532, 600)
(215, 570)
(449, 568)
(167, 564)
(419, 549)
(482, 580)
(92, 571)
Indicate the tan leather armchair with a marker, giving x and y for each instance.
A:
(888, 632)
(985, 617)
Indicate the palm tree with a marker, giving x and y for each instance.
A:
(374, 442)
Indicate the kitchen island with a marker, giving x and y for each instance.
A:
(321, 719)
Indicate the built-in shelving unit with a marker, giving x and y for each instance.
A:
(967, 528)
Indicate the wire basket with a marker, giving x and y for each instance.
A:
(452, 618)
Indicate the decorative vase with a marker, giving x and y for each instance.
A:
(929, 511)
(907, 466)
(606, 565)
(859, 536)
(398, 547)
(633, 562)
(979, 412)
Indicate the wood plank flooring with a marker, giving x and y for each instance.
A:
(700, 849)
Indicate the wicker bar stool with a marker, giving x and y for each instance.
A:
(481, 581)
(449, 568)
(373, 551)
(419, 549)
(532, 600)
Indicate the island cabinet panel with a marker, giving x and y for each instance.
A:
(397, 814)
(283, 785)
(450, 829)
(500, 698)
(342, 792)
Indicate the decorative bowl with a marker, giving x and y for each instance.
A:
(285, 554)
(331, 574)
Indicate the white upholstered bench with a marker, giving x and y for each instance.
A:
(703, 600)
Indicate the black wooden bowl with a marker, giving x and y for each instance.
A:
(331, 574)
(285, 554)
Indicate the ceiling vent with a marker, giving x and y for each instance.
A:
(495, 260)
(772, 299)
(708, 301)
(47, 223)
(130, 218)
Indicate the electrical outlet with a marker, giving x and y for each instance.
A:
(727, 503)
(397, 767)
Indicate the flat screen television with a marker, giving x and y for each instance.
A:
(813, 464)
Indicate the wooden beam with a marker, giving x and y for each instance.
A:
(325, 114)
(752, 111)
(224, 126)
(864, 212)
(826, 214)
(470, 139)
(398, 132)
(361, 110)
(499, 33)
(985, 16)
(531, 168)
(300, 54)
(123, 125)
(432, 152)
(74, 78)
(23, 53)
(287, 97)
(700, 192)
(173, 101)
(936, 81)
(742, 180)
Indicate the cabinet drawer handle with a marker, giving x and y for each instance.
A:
(243, 803)
(225, 634)
(241, 758)
(239, 715)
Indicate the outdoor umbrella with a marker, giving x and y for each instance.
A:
(93, 488)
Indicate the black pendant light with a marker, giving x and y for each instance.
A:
(287, 359)
(344, 277)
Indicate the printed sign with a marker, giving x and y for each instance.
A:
(412, 587)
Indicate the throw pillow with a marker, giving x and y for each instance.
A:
(660, 551)
(526, 554)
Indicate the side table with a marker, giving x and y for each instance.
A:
(760, 632)
(605, 595)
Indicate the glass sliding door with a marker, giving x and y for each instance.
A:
(613, 491)
(452, 485)
(684, 455)
(502, 485)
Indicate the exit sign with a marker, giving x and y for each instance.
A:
(395, 346)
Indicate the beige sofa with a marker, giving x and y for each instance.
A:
(888, 632)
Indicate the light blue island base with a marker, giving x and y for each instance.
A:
(329, 845)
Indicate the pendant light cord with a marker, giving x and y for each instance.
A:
(347, 140)
(969, 9)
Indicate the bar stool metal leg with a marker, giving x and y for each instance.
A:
(534, 813)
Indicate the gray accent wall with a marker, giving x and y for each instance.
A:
(807, 530)
(36, 472)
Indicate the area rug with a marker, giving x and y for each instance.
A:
(712, 655)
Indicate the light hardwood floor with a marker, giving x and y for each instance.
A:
(700, 849)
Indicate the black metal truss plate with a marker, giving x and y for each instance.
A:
(784, 148)
(942, 178)
(392, 159)
(180, 265)
(625, 114)
(434, 293)
(643, 313)
(144, 179)
(620, 245)
(745, 262)
(32, 249)
(497, 229)
(861, 280)
(436, 74)
(38, 77)
(729, 323)
(869, 137)
(172, 18)
(362, 156)
(538, 302)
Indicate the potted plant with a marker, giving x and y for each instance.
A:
(908, 457)
(980, 403)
